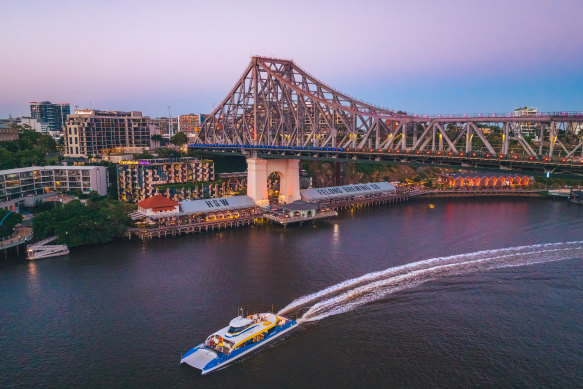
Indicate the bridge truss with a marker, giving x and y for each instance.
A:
(276, 104)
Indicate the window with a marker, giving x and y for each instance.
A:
(233, 330)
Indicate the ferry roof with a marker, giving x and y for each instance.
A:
(213, 205)
(345, 190)
(263, 322)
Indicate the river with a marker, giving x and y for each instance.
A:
(444, 293)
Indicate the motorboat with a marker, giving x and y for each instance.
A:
(244, 335)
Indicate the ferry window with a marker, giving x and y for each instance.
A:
(232, 330)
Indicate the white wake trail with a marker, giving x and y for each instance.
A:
(349, 294)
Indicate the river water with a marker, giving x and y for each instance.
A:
(440, 293)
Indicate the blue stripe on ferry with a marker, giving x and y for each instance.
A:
(191, 351)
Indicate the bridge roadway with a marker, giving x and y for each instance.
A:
(473, 160)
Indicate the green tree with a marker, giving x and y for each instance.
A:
(179, 139)
(168, 153)
(7, 226)
(30, 149)
(75, 224)
(143, 155)
(46, 144)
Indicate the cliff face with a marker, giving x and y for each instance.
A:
(323, 173)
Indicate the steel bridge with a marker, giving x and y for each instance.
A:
(276, 109)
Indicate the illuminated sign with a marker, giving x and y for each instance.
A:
(134, 162)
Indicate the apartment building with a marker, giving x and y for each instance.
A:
(190, 124)
(137, 180)
(27, 186)
(89, 132)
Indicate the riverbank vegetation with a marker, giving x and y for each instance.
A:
(323, 173)
(101, 220)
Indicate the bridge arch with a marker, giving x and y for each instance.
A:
(258, 171)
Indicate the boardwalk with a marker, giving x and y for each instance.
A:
(179, 229)
(21, 235)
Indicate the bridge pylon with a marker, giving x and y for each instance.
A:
(259, 169)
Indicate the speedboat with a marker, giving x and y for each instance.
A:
(243, 335)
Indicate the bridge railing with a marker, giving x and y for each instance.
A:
(493, 115)
(472, 155)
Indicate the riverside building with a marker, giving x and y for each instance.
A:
(27, 186)
(485, 180)
(138, 180)
(159, 216)
(89, 132)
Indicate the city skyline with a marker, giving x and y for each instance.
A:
(420, 58)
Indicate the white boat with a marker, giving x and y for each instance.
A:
(241, 337)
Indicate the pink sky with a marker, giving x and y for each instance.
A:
(420, 56)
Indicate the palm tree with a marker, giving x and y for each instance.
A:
(156, 139)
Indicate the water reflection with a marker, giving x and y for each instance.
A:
(336, 234)
(32, 275)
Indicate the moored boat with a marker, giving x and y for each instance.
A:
(243, 335)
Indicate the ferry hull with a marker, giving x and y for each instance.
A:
(197, 356)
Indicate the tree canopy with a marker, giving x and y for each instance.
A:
(179, 139)
(9, 223)
(75, 224)
(30, 149)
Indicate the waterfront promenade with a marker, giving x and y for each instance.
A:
(21, 235)
(328, 209)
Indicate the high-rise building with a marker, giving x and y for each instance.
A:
(190, 124)
(137, 180)
(90, 132)
(54, 115)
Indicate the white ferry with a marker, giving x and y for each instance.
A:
(242, 336)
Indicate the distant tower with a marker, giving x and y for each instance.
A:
(170, 126)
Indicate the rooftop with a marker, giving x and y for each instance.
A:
(54, 167)
(484, 175)
(158, 202)
(299, 205)
(345, 190)
(214, 205)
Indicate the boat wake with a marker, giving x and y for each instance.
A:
(347, 295)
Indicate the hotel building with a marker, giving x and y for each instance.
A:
(29, 185)
(89, 132)
(138, 180)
